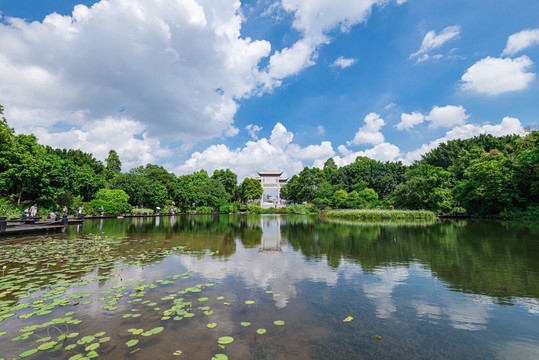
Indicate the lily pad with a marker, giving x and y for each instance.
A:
(261, 331)
(131, 343)
(245, 323)
(28, 353)
(279, 322)
(219, 357)
(212, 325)
(249, 302)
(225, 340)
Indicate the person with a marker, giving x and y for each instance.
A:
(80, 211)
(33, 210)
(64, 210)
(102, 209)
(26, 212)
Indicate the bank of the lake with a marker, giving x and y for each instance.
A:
(376, 215)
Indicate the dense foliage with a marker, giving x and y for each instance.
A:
(485, 176)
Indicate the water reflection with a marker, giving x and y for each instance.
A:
(431, 290)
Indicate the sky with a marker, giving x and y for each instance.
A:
(265, 85)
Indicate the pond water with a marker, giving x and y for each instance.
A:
(271, 287)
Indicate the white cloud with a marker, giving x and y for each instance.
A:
(321, 130)
(400, 2)
(343, 63)
(381, 152)
(447, 116)
(520, 41)
(253, 130)
(509, 125)
(381, 292)
(433, 41)
(495, 76)
(126, 136)
(370, 132)
(277, 153)
(178, 66)
(408, 121)
(314, 19)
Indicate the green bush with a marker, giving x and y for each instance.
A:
(204, 209)
(142, 211)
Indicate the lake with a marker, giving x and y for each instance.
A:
(271, 287)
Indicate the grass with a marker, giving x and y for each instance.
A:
(358, 215)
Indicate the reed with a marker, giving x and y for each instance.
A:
(357, 215)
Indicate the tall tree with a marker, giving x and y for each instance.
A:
(114, 165)
(228, 179)
(251, 189)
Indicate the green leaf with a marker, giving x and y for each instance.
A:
(92, 347)
(261, 331)
(131, 343)
(245, 323)
(28, 353)
(219, 357)
(212, 325)
(225, 340)
(279, 322)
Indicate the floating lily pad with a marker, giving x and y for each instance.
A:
(279, 322)
(249, 302)
(92, 346)
(28, 353)
(261, 331)
(245, 323)
(219, 357)
(211, 325)
(131, 343)
(225, 340)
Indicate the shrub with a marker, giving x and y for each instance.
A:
(204, 209)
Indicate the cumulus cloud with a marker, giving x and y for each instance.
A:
(495, 76)
(178, 66)
(381, 152)
(508, 125)
(253, 130)
(433, 41)
(277, 153)
(370, 132)
(127, 137)
(520, 41)
(447, 116)
(314, 20)
(343, 63)
(408, 121)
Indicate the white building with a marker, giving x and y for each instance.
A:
(271, 181)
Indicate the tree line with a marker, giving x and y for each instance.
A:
(484, 176)
(54, 178)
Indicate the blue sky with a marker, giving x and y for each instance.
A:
(267, 84)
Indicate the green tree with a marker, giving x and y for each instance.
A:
(114, 165)
(488, 186)
(162, 176)
(251, 189)
(228, 179)
(113, 201)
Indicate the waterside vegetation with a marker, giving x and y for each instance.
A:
(482, 176)
(375, 215)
